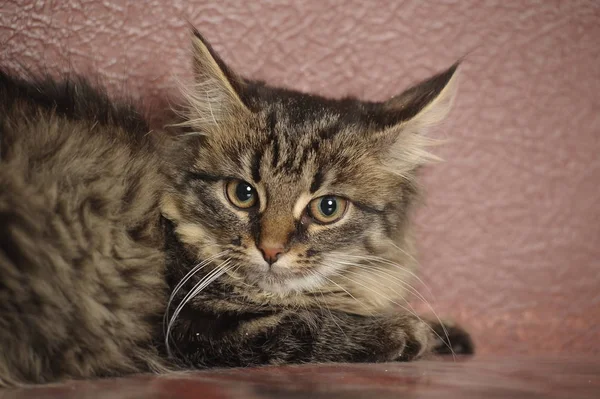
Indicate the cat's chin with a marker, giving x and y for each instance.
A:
(284, 284)
(287, 286)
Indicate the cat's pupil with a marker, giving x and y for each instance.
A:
(328, 206)
(244, 192)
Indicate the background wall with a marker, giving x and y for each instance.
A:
(510, 237)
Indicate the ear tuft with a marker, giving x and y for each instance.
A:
(216, 96)
(429, 101)
(416, 109)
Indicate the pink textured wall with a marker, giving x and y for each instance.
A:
(510, 237)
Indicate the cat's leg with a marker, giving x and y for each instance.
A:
(302, 337)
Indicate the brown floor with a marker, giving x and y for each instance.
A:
(489, 377)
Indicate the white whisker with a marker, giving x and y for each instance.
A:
(391, 263)
(202, 284)
(404, 284)
(324, 305)
(356, 273)
(184, 280)
(414, 290)
(345, 290)
(404, 308)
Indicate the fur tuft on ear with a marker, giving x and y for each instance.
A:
(428, 101)
(418, 108)
(215, 97)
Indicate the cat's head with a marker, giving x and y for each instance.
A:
(296, 193)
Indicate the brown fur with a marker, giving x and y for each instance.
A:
(336, 291)
(87, 263)
(81, 266)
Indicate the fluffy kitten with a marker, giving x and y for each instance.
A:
(286, 238)
(290, 232)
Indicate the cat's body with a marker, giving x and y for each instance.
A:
(81, 263)
(285, 238)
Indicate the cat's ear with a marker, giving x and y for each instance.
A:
(428, 102)
(413, 112)
(217, 93)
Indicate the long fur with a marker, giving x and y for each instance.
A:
(81, 265)
(338, 292)
(121, 252)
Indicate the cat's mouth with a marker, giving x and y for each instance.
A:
(281, 279)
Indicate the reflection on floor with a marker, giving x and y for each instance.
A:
(523, 377)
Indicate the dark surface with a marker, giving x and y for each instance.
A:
(489, 377)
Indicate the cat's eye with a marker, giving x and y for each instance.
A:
(241, 194)
(327, 209)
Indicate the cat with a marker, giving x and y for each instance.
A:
(82, 281)
(264, 226)
(288, 233)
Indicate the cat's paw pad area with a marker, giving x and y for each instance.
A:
(408, 338)
(417, 342)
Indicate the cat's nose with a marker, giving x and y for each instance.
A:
(271, 252)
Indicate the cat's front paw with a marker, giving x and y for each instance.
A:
(408, 338)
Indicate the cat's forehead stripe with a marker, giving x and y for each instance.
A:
(255, 168)
(273, 139)
(316, 182)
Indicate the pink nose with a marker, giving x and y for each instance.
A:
(271, 252)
